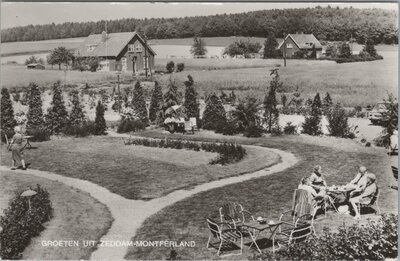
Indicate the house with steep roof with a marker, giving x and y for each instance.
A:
(127, 52)
(300, 42)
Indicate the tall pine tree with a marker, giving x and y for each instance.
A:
(270, 46)
(35, 111)
(171, 97)
(271, 114)
(139, 103)
(100, 126)
(77, 115)
(156, 102)
(191, 105)
(57, 115)
(312, 122)
(327, 103)
(214, 116)
(8, 121)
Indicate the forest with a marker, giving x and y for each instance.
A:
(330, 24)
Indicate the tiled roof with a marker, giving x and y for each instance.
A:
(112, 46)
(304, 41)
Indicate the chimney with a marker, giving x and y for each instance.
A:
(104, 36)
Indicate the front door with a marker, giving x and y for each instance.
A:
(124, 64)
(134, 66)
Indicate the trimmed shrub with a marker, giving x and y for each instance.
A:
(338, 123)
(276, 131)
(228, 152)
(100, 125)
(170, 67)
(180, 67)
(20, 224)
(376, 240)
(79, 130)
(38, 134)
(290, 129)
(128, 125)
(253, 131)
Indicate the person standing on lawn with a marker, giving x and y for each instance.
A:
(17, 148)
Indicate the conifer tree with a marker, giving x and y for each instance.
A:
(270, 46)
(139, 103)
(57, 115)
(77, 115)
(369, 47)
(214, 116)
(312, 122)
(100, 126)
(191, 105)
(171, 97)
(327, 103)
(271, 114)
(35, 112)
(8, 121)
(156, 102)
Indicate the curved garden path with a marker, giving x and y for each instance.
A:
(130, 214)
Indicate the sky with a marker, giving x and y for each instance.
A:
(20, 14)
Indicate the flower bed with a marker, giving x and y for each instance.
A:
(228, 152)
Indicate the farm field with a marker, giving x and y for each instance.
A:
(131, 171)
(66, 224)
(32, 47)
(267, 196)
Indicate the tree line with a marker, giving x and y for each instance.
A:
(331, 24)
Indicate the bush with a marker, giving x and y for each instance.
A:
(276, 131)
(290, 129)
(338, 123)
(376, 240)
(127, 125)
(170, 67)
(228, 152)
(38, 134)
(253, 131)
(79, 130)
(312, 126)
(21, 224)
(180, 67)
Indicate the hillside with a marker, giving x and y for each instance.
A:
(326, 23)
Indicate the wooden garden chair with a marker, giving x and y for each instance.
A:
(370, 202)
(224, 235)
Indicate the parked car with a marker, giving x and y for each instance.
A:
(378, 115)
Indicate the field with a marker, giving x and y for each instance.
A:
(14, 48)
(74, 215)
(268, 196)
(134, 172)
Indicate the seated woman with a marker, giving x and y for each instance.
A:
(305, 184)
(317, 180)
(368, 193)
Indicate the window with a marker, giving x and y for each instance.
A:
(289, 45)
(146, 62)
(138, 48)
(131, 48)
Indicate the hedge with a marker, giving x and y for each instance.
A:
(228, 152)
(20, 224)
(376, 240)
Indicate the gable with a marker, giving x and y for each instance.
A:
(304, 41)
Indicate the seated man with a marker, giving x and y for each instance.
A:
(317, 180)
(365, 188)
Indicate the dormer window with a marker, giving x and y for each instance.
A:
(131, 48)
(91, 47)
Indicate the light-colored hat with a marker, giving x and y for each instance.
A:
(362, 169)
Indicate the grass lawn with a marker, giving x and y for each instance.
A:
(134, 172)
(267, 196)
(77, 216)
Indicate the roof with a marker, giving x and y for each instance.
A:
(304, 41)
(113, 45)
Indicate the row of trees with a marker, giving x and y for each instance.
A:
(332, 24)
(57, 120)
